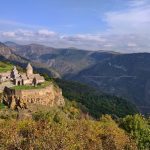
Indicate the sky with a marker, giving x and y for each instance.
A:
(110, 25)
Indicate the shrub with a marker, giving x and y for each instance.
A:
(139, 128)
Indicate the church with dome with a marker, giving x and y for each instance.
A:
(28, 78)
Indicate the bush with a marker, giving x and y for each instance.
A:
(8, 114)
(70, 135)
(139, 128)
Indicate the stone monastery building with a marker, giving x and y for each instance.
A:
(28, 78)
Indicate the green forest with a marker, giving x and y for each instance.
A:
(95, 102)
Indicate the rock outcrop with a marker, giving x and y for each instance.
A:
(49, 96)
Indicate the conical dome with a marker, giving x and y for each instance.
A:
(29, 66)
(29, 69)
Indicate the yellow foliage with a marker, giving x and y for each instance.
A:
(83, 134)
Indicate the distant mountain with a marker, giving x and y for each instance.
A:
(8, 54)
(67, 62)
(126, 75)
(11, 44)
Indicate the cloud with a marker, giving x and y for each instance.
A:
(84, 41)
(45, 32)
(8, 34)
(85, 37)
(51, 38)
(27, 35)
(108, 42)
(108, 45)
(127, 31)
(133, 20)
(132, 45)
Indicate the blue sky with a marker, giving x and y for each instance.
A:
(119, 25)
(65, 16)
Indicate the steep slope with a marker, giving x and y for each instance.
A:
(125, 75)
(97, 103)
(8, 55)
(67, 61)
(4, 50)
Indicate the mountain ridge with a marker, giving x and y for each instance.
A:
(125, 75)
(65, 60)
(8, 54)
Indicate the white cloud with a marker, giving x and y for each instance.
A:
(27, 35)
(85, 37)
(23, 32)
(115, 42)
(128, 31)
(45, 32)
(135, 20)
(108, 45)
(131, 45)
(8, 34)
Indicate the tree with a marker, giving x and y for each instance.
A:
(139, 128)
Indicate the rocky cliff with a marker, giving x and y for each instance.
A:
(49, 96)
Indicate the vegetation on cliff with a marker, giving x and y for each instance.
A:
(63, 128)
(96, 103)
(139, 128)
(69, 128)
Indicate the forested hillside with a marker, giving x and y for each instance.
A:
(125, 75)
(97, 103)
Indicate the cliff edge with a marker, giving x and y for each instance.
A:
(50, 95)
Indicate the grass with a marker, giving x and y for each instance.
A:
(2, 106)
(4, 67)
(29, 87)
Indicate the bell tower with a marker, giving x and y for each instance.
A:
(29, 70)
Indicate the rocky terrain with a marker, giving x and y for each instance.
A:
(50, 95)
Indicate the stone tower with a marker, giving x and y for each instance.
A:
(29, 70)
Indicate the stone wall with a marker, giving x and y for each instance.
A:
(5, 76)
(51, 95)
